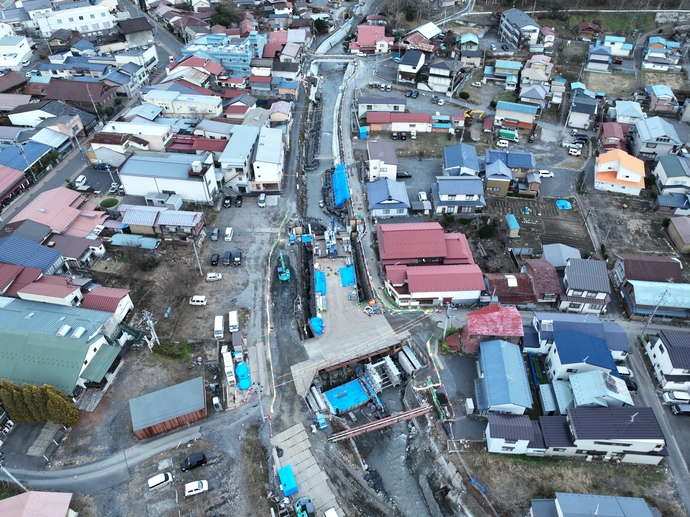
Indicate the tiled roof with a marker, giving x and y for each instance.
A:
(653, 268)
(512, 159)
(386, 193)
(179, 218)
(589, 275)
(104, 299)
(11, 80)
(78, 91)
(633, 423)
(495, 320)
(460, 155)
(612, 130)
(544, 276)
(463, 277)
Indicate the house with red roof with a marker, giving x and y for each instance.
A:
(384, 121)
(109, 299)
(55, 290)
(489, 323)
(511, 288)
(26, 276)
(611, 136)
(411, 286)
(421, 243)
(8, 274)
(371, 39)
(12, 183)
(198, 63)
(547, 287)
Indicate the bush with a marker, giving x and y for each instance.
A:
(487, 231)
(464, 95)
(666, 222)
(148, 263)
(174, 350)
(109, 202)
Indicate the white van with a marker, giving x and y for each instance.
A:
(160, 480)
(676, 397)
(197, 300)
(502, 143)
(228, 234)
(233, 322)
(218, 328)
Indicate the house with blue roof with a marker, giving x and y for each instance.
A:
(458, 195)
(576, 352)
(598, 58)
(652, 138)
(661, 99)
(662, 55)
(664, 299)
(618, 46)
(24, 156)
(388, 198)
(503, 385)
(460, 160)
(505, 72)
(598, 389)
(24, 252)
(511, 115)
(522, 166)
(469, 41)
(626, 112)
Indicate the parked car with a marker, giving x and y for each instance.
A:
(382, 87)
(361, 54)
(434, 99)
(403, 174)
(477, 84)
(415, 94)
(504, 48)
(403, 136)
(586, 40)
(26, 62)
(502, 143)
(80, 181)
(441, 102)
(193, 461)
(630, 384)
(197, 300)
(394, 135)
(238, 201)
(214, 234)
(422, 196)
(573, 151)
(195, 487)
(214, 259)
(213, 277)
(102, 166)
(408, 93)
(493, 48)
(573, 132)
(617, 61)
(676, 397)
(546, 174)
(262, 200)
(227, 201)
(389, 87)
(114, 187)
(625, 372)
(681, 409)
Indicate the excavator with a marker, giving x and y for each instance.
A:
(283, 271)
(472, 113)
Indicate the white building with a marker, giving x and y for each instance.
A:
(88, 19)
(269, 160)
(513, 434)
(14, 50)
(617, 171)
(383, 163)
(517, 28)
(575, 352)
(668, 353)
(157, 135)
(191, 176)
(236, 159)
(177, 104)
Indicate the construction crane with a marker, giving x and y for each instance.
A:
(283, 270)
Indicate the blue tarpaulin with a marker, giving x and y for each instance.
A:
(320, 279)
(346, 397)
(363, 132)
(243, 380)
(347, 275)
(562, 204)
(341, 190)
(316, 325)
(287, 481)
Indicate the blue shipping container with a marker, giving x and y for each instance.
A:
(287, 481)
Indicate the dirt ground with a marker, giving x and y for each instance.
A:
(673, 81)
(611, 84)
(512, 481)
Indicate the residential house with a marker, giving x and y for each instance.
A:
(627, 113)
(444, 75)
(537, 70)
(29, 254)
(291, 53)
(651, 268)
(498, 177)
(618, 46)
(617, 171)
(83, 95)
(424, 38)
(383, 163)
(384, 121)
(672, 175)
(70, 213)
(138, 32)
(502, 385)
(669, 353)
(52, 289)
(215, 129)
(662, 55)
(583, 112)
(38, 503)
(269, 160)
(175, 104)
(491, 323)
(587, 288)
(513, 434)
(460, 160)
(576, 352)
(433, 284)
(280, 113)
(679, 232)
(588, 30)
(113, 148)
(13, 183)
(285, 70)
(387, 198)
(547, 287)
(232, 53)
(504, 72)
(610, 136)
(598, 59)
(547, 37)
(517, 28)
(12, 82)
(415, 243)
(236, 159)
(661, 99)
(472, 58)
(13, 51)
(190, 176)
(157, 136)
(653, 138)
(558, 254)
(684, 111)
(589, 504)
(381, 104)
(410, 65)
(596, 389)
(50, 112)
(512, 115)
(534, 95)
(469, 41)
(643, 299)
(522, 167)
(371, 39)
(511, 289)
(77, 251)
(458, 194)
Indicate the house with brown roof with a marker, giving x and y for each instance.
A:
(651, 268)
(511, 288)
(81, 94)
(679, 232)
(12, 184)
(547, 287)
(12, 82)
(588, 30)
(421, 243)
(8, 274)
(610, 136)
(138, 32)
(55, 290)
(108, 299)
(113, 148)
(669, 353)
(411, 286)
(77, 251)
(489, 323)
(26, 276)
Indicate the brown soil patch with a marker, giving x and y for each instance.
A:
(673, 81)
(611, 84)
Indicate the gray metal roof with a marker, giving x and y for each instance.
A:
(386, 193)
(498, 170)
(162, 165)
(48, 319)
(510, 427)
(31, 230)
(23, 252)
(675, 166)
(457, 185)
(544, 508)
(678, 346)
(384, 151)
(411, 58)
(556, 432)
(558, 254)
(620, 423)
(460, 155)
(583, 104)
(577, 505)
(154, 408)
(240, 145)
(589, 275)
(518, 18)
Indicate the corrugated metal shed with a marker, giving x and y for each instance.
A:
(100, 363)
(504, 373)
(153, 414)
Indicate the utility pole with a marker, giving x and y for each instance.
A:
(196, 254)
(651, 316)
(9, 475)
(88, 90)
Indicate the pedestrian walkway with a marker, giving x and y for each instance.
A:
(311, 480)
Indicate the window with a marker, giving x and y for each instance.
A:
(661, 349)
(559, 449)
(93, 16)
(578, 293)
(663, 139)
(615, 444)
(400, 210)
(192, 109)
(102, 15)
(595, 307)
(507, 449)
(84, 28)
(511, 442)
(581, 451)
(650, 146)
(386, 212)
(95, 26)
(571, 370)
(81, 18)
(59, 21)
(451, 197)
(71, 19)
(574, 305)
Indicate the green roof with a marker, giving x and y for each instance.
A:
(38, 359)
(154, 408)
(100, 363)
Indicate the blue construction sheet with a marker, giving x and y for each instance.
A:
(341, 190)
(316, 325)
(347, 276)
(346, 397)
(320, 280)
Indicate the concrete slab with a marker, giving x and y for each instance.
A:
(43, 440)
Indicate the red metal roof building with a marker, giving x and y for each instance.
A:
(547, 287)
(12, 182)
(8, 274)
(512, 289)
(412, 243)
(489, 323)
(426, 284)
(368, 36)
(109, 299)
(24, 278)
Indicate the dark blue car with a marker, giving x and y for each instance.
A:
(102, 167)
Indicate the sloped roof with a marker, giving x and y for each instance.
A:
(633, 423)
(589, 275)
(612, 130)
(505, 376)
(36, 504)
(652, 268)
(652, 128)
(626, 160)
(511, 287)
(462, 277)
(428, 30)
(544, 275)
(20, 251)
(369, 35)
(574, 505)
(100, 363)
(675, 166)
(519, 108)
(518, 18)
(558, 254)
(78, 91)
(583, 104)
(411, 240)
(49, 289)
(652, 293)
(134, 25)
(104, 299)
(24, 278)
(459, 185)
(678, 347)
(495, 320)
(595, 386)
(629, 109)
(9, 178)
(179, 218)
(11, 80)
(154, 408)
(498, 170)
(8, 273)
(386, 193)
(682, 227)
(71, 246)
(512, 159)
(460, 155)
(576, 347)
(55, 208)
(510, 427)
(556, 432)
(457, 249)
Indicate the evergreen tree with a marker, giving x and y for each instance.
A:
(60, 407)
